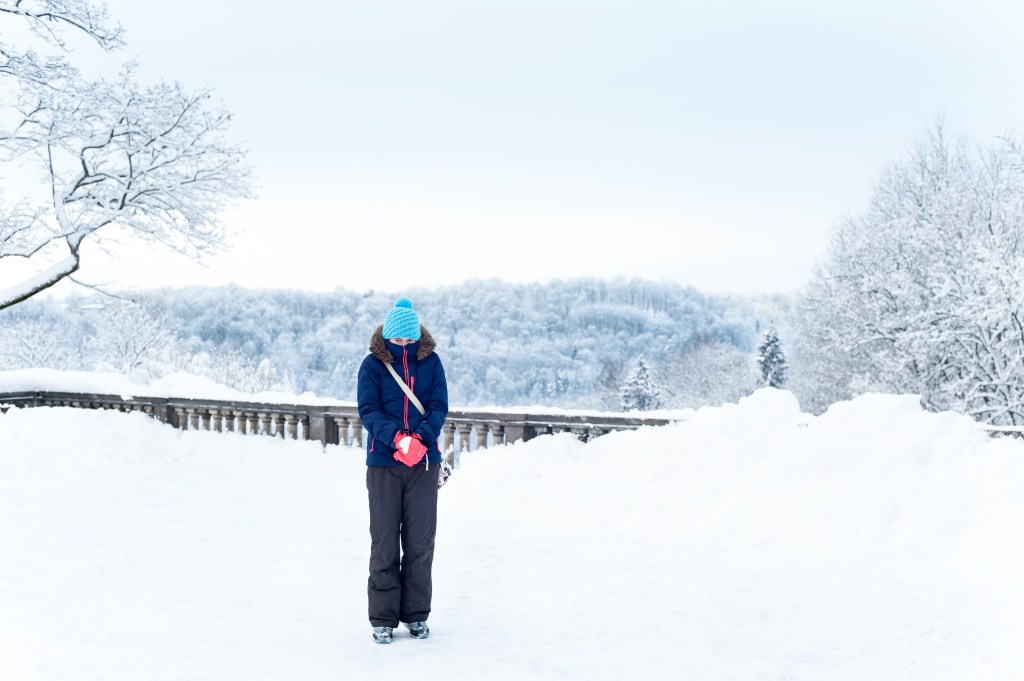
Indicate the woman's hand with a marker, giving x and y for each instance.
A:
(409, 449)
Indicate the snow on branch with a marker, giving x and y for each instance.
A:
(40, 282)
(148, 162)
(48, 18)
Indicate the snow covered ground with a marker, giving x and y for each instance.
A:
(753, 541)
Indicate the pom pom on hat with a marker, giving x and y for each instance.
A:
(402, 321)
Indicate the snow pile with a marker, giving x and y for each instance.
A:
(751, 542)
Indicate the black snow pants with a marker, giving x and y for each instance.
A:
(403, 521)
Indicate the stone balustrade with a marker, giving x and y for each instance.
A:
(464, 430)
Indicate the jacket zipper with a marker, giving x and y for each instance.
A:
(412, 386)
(405, 367)
(411, 382)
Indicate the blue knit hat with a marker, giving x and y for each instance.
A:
(402, 322)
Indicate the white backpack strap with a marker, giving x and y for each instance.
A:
(405, 388)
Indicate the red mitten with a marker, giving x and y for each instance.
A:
(409, 449)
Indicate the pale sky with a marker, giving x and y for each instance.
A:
(409, 142)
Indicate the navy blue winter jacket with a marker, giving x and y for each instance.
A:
(384, 408)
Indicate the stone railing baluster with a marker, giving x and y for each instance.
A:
(344, 436)
(216, 420)
(464, 430)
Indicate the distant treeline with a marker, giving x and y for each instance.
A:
(563, 343)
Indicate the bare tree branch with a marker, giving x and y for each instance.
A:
(119, 158)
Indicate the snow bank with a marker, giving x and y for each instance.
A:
(178, 384)
(752, 541)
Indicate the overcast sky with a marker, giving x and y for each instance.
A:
(409, 142)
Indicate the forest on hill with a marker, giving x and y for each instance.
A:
(569, 344)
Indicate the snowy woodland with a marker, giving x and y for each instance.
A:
(570, 344)
(823, 505)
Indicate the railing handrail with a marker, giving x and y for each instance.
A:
(531, 415)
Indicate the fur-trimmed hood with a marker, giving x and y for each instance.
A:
(379, 346)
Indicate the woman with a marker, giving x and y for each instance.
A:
(402, 456)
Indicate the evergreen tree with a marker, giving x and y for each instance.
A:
(771, 359)
(639, 391)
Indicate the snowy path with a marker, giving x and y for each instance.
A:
(754, 542)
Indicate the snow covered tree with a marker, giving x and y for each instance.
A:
(771, 360)
(116, 159)
(236, 371)
(706, 371)
(133, 341)
(924, 292)
(38, 341)
(639, 391)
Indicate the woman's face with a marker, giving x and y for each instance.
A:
(401, 341)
